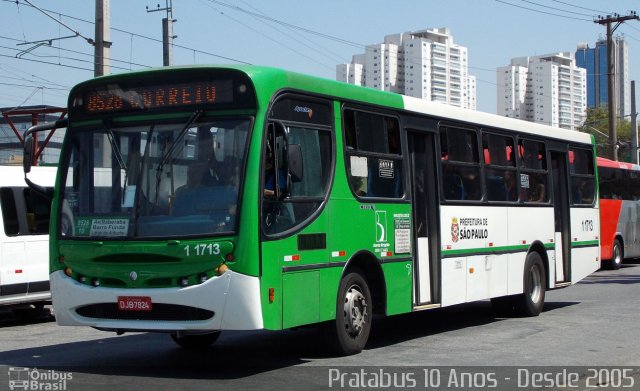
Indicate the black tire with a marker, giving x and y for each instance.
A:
(34, 311)
(350, 331)
(617, 256)
(196, 341)
(531, 301)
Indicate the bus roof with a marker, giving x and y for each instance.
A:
(270, 80)
(604, 162)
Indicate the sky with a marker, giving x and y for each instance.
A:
(303, 36)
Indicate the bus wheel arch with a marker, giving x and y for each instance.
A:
(360, 288)
(369, 266)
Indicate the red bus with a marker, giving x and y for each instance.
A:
(619, 211)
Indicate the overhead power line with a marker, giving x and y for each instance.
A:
(303, 29)
(542, 12)
(77, 33)
(555, 8)
(584, 8)
(194, 50)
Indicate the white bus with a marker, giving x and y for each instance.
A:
(24, 238)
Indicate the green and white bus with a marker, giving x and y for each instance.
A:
(191, 200)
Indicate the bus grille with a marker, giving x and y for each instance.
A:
(158, 312)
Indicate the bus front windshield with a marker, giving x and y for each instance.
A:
(153, 180)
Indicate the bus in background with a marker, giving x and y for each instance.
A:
(24, 239)
(619, 211)
(197, 199)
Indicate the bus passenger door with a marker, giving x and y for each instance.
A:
(425, 218)
(562, 238)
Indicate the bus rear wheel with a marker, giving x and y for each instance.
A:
(350, 331)
(196, 341)
(531, 301)
(616, 260)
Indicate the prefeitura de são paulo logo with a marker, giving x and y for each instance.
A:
(455, 230)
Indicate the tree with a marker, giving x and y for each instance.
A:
(597, 124)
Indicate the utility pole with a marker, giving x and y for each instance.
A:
(617, 20)
(167, 32)
(102, 43)
(634, 125)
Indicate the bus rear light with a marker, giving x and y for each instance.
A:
(68, 272)
(82, 279)
(203, 278)
(230, 257)
(471, 270)
(95, 282)
(184, 281)
(272, 295)
(61, 259)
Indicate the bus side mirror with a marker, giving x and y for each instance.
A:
(294, 162)
(27, 155)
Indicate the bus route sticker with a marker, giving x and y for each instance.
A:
(402, 233)
(109, 227)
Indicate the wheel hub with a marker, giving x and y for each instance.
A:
(355, 311)
(536, 285)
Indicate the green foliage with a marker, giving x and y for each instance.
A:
(597, 123)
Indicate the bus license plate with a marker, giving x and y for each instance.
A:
(134, 303)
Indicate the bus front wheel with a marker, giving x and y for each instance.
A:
(531, 301)
(196, 341)
(350, 331)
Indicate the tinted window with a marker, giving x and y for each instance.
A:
(374, 160)
(500, 167)
(582, 176)
(461, 178)
(533, 171)
(290, 197)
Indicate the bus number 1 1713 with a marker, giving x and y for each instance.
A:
(202, 249)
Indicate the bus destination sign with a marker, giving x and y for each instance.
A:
(113, 98)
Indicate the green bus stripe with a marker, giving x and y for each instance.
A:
(492, 250)
(297, 268)
(586, 243)
(509, 249)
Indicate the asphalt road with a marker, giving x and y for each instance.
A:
(593, 324)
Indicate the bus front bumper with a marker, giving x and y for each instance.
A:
(228, 302)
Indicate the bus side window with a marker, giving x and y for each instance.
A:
(582, 177)
(9, 212)
(460, 162)
(373, 154)
(533, 171)
(38, 211)
(292, 195)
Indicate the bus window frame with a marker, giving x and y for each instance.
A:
(596, 194)
(515, 168)
(330, 127)
(405, 197)
(546, 171)
(442, 163)
(158, 119)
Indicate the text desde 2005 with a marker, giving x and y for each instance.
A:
(483, 377)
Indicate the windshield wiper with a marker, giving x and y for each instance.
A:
(114, 146)
(167, 156)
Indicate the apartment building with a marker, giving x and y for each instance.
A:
(548, 89)
(425, 64)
